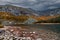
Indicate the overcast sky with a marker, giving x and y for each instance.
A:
(34, 4)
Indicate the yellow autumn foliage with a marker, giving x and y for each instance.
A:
(10, 16)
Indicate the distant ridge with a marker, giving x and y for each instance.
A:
(17, 10)
(50, 12)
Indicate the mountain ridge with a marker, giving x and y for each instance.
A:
(50, 12)
(17, 10)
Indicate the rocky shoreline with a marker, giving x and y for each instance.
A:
(18, 33)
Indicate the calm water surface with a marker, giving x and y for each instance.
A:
(52, 27)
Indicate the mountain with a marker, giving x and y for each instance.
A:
(27, 15)
(12, 14)
(17, 10)
(50, 12)
(28, 11)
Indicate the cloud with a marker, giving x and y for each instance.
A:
(34, 4)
